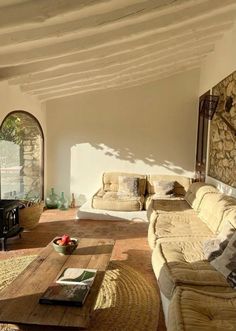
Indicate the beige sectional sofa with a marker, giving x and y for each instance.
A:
(194, 294)
(191, 288)
(107, 197)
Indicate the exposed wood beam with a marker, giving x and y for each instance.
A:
(140, 81)
(31, 13)
(63, 47)
(124, 76)
(105, 38)
(119, 13)
(100, 71)
(63, 66)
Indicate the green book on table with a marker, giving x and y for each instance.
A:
(77, 276)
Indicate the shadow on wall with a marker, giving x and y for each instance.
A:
(126, 155)
(137, 130)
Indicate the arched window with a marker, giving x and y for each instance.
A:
(21, 157)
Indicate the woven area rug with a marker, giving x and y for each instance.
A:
(125, 302)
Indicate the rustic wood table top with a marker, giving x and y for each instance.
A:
(19, 302)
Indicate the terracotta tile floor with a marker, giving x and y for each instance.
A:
(131, 240)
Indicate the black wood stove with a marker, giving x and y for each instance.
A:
(9, 221)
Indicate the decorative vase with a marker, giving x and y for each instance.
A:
(72, 204)
(62, 202)
(52, 200)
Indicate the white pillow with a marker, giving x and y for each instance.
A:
(214, 247)
(163, 189)
(127, 186)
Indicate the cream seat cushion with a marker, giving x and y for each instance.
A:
(193, 310)
(112, 201)
(175, 225)
(170, 205)
(182, 263)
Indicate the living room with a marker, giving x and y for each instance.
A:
(144, 124)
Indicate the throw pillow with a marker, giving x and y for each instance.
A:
(127, 186)
(226, 262)
(215, 247)
(163, 189)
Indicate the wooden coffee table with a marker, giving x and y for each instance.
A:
(19, 302)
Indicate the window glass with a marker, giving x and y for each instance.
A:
(21, 157)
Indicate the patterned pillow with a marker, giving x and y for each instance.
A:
(215, 247)
(226, 262)
(127, 186)
(163, 189)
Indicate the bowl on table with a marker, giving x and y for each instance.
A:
(65, 249)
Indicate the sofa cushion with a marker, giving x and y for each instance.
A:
(170, 205)
(181, 183)
(213, 207)
(111, 201)
(163, 189)
(193, 310)
(196, 192)
(176, 225)
(151, 202)
(215, 247)
(182, 263)
(229, 216)
(111, 181)
(226, 262)
(127, 186)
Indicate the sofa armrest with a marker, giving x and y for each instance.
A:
(99, 193)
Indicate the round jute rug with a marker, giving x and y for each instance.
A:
(125, 302)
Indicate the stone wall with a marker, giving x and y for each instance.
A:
(31, 150)
(222, 151)
(31, 162)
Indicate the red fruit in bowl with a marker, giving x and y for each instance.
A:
(65, 239)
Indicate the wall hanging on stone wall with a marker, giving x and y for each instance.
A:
(208, 105)
(222, 151)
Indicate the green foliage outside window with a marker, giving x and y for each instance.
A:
(12, 130)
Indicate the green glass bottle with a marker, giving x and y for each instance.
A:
(52, 200)
(63, 202)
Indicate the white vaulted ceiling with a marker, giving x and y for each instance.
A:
(54, 48)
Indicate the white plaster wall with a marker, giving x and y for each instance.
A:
(146, 129)
(220, 63)
(217, 66)
(13, 99)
